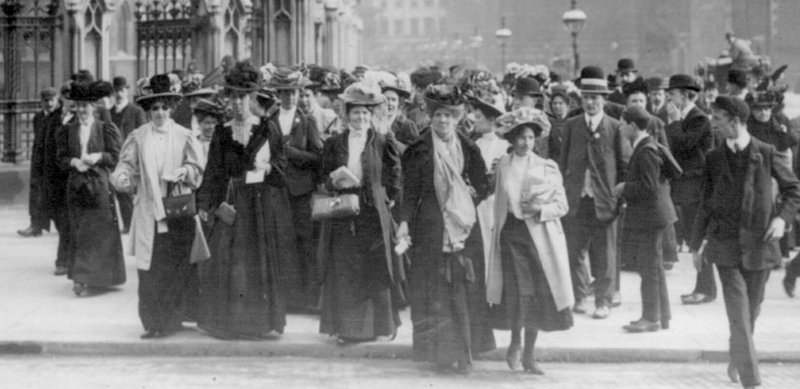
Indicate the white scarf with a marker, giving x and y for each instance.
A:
(454, 197)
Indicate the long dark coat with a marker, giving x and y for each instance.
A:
(356, 256)
(38, 198)
(689, 140)
(437, 337)
(242, 284)
(95, 244)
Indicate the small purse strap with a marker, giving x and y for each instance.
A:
(228, 192)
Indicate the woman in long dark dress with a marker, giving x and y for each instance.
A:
(241, 286)
(88, 150)
(528, 270)
(156, 156)
(359, 268)
(444, 177)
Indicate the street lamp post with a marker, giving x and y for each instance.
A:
(574, 20)
(503, 35)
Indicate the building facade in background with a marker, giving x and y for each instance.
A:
(42, 42)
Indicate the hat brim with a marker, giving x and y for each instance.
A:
(201, 92)
(689, 87)
(400, 92)
(434, 105)
(485, 108)
(148, 98)
(595, 92)
(239, 88)
(511, 133)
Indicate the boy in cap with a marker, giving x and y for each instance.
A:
(649, 213)
(738, 225)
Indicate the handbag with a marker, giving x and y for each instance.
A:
(179, 207)
(226, 211)
(326, 206)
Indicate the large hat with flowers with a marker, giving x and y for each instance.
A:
(363, 94)
(444, 96)
(243, 78)
(87, 90)
(160, 86)
(511, 123)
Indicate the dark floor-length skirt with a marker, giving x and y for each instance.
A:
(95, 245)
(448, 304)
(356, 292)
(163, 282)
(527, 299)
(241, 284)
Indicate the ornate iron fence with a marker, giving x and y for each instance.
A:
(165, 32)
(27, 38)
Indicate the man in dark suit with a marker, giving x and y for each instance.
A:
(38, 208)
(593, 160)
(649, 212)
(302, 143)
(657, 97)
(626, 73)
(128, 117)
(689, 136)
(741, 225)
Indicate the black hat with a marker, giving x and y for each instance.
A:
(625, 65)
(160, 86)
(84, 91)
(527, 86)
(763, 99)
(612, 81)
(423, 77)
(683, 81)
(737, 77)
(243, 77)
(637, 86)
(82, 75)
(103, 88)
(638, 116)
(488, 110)
(444, 96)
(656, 83)
(593, 81)
(119, 83)
(733, 105)
(210, 108)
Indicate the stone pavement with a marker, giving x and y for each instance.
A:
(40, 314)
(293, 372)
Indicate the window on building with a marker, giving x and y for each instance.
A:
(399, 29)
(430, 26)
(415, 26)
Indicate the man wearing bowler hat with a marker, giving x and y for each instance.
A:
(689, 136)
(626, 73)
(594, 157)
(657, 97)
(738, 225)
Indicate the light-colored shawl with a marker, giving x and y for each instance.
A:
(454, 196)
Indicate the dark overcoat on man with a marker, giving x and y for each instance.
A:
(55, 186)
(127, 119)
(302, 147)
(604, 153)
(38, 199)
(736, 209)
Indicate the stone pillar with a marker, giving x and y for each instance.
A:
(210, 39)
(10, 35)
(104, 60)
(330, 50)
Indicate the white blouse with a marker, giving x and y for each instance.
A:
(356, 141)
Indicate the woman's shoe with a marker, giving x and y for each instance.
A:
(81, 290)
(733, 373)
(530, 366)
(152, 334)
(514, 356)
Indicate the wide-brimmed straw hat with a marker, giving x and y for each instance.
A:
(398, 86)
(287, 79)
(363, 94)
(509, 124)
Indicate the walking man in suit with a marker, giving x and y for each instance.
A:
(738, 225)
(689, 136)
(593, 160)
(649, 213)
(128, 117)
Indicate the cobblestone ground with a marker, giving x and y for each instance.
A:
(178, 373)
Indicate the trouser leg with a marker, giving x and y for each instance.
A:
(793, 268)
(706, 283)
(737, 305)
(576, 241)
(603, 260)
(63, 257)
(302, 279)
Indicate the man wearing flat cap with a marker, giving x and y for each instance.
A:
(738, 225)
(594, 158)
(38, 204)
(689, 136)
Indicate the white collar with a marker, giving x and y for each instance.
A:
(122, 106)
(595, 120)
(741, 142)
(288, 111)
(686, 109)
(357, 134)
(639, 140)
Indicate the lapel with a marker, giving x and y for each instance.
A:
(296, 122)
(754, 160)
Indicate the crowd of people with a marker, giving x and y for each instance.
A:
(481, 203)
